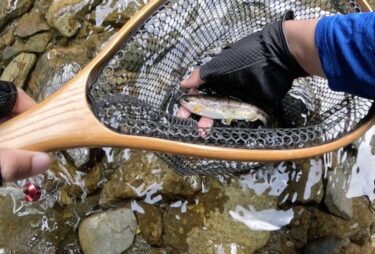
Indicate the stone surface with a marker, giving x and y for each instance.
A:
(206, 226)
(10, 9)
(7, 35)
(35, 44)
(31, 23)
(335, 196)
(115, 12)
(19, 68)
(328, 245)
(144, 176)
(67, 15)
(33, 227)
(150, 223)
(56, 67)
(108, 232)
(324, 224)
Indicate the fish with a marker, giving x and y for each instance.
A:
(222, 108)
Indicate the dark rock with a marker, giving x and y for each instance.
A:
(144, 176)
(324, 225)
(150, 223)
(328, 245)
(10, 9)
(335, 197)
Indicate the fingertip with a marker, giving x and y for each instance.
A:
(194, 80)
(40, 162)
(23, 102)
(183, 113)
(18, 164)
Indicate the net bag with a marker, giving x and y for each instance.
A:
(137, 90)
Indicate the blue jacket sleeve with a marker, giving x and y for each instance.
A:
(346, 46)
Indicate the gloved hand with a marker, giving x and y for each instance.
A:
(18, 164)
(258, 69)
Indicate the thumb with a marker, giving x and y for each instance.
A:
(19, 164)
(194, 80)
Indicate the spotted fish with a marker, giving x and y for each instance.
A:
(222, 108)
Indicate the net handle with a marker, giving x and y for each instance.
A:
(64, 120)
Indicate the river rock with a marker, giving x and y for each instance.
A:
(140, 246)
(56, 67)
(150, 222)
(324, 224)
(7, 35)
(144, 176)
(108, 232)
(10, 9)
(115, 13)
(207, 226)
(30, 227)
(31, 23)
(19, 68)
(327, 245)
(67, 15)
(335, 197)
(35, 44)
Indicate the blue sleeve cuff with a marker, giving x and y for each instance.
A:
(346, 47)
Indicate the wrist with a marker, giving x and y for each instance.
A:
(300, 37)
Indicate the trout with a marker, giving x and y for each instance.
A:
(222, 108)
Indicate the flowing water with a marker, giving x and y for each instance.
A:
(323, 204)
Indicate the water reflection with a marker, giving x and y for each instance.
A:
(362, 180)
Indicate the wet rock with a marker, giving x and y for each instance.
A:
(94, 178)
(115, 12)
(150, 222)
(42, 5)
(206, 225)
(10, 9)
(300, 226)
(328, 245)
(31, 23)
(30, 227)
(79, 156)
(108, 232)
(56, 67)
(144, 176)
(35, 44)
(305, 183)
(361, 238)
(324, 224)
(7, 35)
(66, 16)
(335, 196)
(18, 69)
(140, 246)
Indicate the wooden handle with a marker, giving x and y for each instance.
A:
(65, 120)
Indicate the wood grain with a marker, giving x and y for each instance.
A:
(65, 120)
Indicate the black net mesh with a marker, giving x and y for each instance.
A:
(137, 91)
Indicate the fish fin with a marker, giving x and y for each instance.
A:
(228, 121)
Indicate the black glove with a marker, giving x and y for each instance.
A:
(258, 69)
(8, 96)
